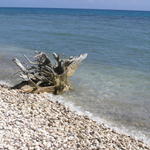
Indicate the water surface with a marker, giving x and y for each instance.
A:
(114, 82)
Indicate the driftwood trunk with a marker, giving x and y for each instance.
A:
(44, 76)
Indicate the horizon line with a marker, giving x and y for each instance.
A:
(74, 8)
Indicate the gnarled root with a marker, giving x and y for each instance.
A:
(43, 76)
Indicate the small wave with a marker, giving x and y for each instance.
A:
(63, 34)
(80, 111)
(138, 135)
(5, 83)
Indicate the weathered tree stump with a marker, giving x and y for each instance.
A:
(44, 76)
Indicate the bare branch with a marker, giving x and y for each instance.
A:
(44, 76)
(31, 62)
(19, 64)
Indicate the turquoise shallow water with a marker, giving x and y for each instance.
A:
(114, 82)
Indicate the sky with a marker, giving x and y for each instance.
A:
(91, 4)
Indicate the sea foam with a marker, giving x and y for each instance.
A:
(138, 135)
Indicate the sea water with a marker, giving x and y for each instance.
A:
(113, 83)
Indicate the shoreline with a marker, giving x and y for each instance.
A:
(31, 121)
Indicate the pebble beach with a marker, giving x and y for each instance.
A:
(34, 122)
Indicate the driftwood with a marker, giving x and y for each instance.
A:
(44, 76)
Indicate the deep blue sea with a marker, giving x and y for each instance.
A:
(113, 83)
